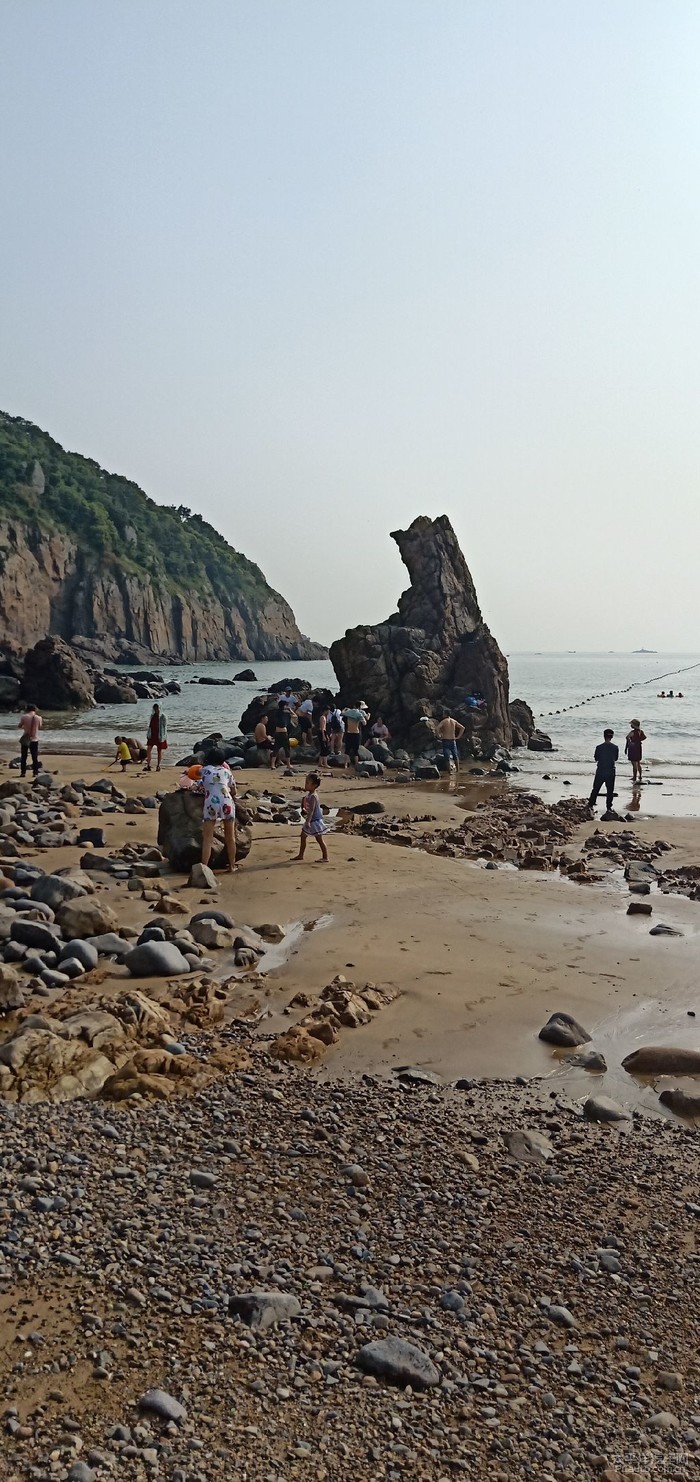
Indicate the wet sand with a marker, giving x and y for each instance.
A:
(480, 959)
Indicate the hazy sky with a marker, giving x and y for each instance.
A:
(314, 267)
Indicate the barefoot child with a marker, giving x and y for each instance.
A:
(313, 826)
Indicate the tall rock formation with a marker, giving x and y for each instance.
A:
(431, 655)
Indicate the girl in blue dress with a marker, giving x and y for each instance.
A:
(313, 826)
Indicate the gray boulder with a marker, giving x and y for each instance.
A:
(156, 960)
(157, 1402)
(83, 952)
(180, 832)
(396, 1359)
(261, 1310)
(562, 1030)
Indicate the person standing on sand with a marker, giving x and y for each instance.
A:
(324, 740)
(280, 744)
(633, 749)
(30, 724)
(336, 726)
(219, 805)
(605, 757)
(450, 732)
(313, 826)
(157, 736)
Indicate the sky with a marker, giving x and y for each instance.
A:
(315, 267)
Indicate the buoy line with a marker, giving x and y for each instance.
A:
(607, 694)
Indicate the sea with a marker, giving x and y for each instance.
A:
(573, 696)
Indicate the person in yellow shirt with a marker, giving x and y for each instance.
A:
(123, 754)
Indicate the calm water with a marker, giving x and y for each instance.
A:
(549, 682)
(558, 682)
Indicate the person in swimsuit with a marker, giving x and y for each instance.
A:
(633, 749)
(263, 742)
(313, 826)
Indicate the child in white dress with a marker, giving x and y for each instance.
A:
(313, 826)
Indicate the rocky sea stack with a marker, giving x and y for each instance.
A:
(436, 653)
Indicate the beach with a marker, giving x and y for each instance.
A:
(462, 964)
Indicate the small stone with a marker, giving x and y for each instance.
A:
(562, 1317)
(202, 878)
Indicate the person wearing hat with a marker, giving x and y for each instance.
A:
(633, 750)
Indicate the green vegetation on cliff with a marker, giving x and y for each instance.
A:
(115, 523)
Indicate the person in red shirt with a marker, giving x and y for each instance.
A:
(30, 725)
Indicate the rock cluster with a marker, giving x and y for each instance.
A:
(58, 677)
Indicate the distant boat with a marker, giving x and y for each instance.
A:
(645, 650)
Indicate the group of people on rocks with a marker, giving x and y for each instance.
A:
(334, 732)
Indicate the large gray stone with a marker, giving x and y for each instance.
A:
(157, 1402)
(156, 960)
(261, 1310)
(561, 1029)
(53, 890)
(35, 934)
(604, 1109)
(396, 1359)
(84, 952)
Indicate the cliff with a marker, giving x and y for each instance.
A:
(433, 654)
(86, 555)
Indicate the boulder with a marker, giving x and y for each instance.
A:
(246, 676)
(110, 691)
(83, 952)
(680, 1102)
(604, 1109)
(539, 741)
(396, 1359)
(156, 959)
(522, 722)
(34, 934)
(262, 1310)
(86, 917)
(562, 1030)
(53, 890)
(529, 1146)
(55, 677)
(180, 832)
(157, 1402)
(9, 692)
(435, 652)
(662, 1060)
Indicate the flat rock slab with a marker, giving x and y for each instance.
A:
(639, 908)
(416, 1075)
(402, 1362)
(591, 1060)
(561, 1029)
(662, 1060)
(529, 1146)
(157, 1402)
(604, 1109)
(262, 1310)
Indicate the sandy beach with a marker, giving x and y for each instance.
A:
(478, 958)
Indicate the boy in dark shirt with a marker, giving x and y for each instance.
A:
(605, 757)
